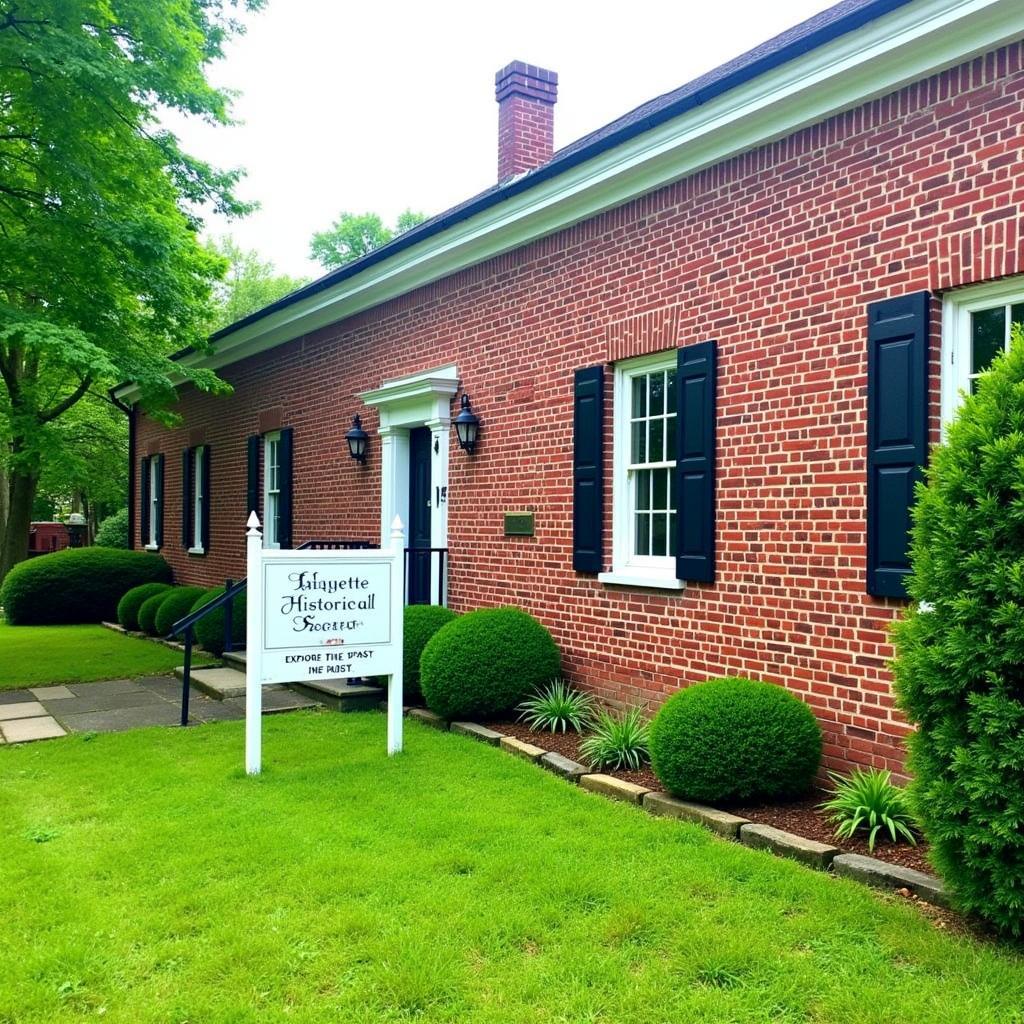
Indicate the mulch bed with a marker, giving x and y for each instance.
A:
(801, 817)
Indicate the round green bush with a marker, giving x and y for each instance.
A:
(129, 605)
(113, 531)
(485, 662)
(76, 585)
(176, 605)
(148, 610)
(735, 739)
(959, 665)
(210, 630)
(422, 621)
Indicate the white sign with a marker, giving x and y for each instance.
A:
(322, 615)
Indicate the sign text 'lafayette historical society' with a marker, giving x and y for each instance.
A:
(324, 619)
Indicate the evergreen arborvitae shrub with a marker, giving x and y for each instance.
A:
(129, 605)
(735, 739)
(148, 610)
(76, 585)
(486, 661)
(422, 621)
(959, 667)
(113, 531)
(210, 630)
(176, 605)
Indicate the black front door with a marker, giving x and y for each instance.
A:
(418, 590)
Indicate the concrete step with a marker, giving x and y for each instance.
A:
(235, 660)
(340, 696)
(219, 683)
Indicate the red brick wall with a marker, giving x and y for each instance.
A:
(776, 254)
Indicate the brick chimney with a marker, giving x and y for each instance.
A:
(526, 97)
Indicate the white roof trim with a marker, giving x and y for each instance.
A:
(904, 46)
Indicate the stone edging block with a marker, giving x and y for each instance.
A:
(563, 766)
(428, 718)
(881, 875)
(721, 822)
(477, 732)
(786, 844)
(521, 749)
(617, 789)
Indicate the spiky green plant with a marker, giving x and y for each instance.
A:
(868, 800)
(557, 707)
(618, 740)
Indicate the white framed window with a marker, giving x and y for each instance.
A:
(152, 541)
(272, 490)
(198, 499)
(976, 325)
(644, 502)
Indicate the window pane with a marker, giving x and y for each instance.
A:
(642, 543)
(643, 488)
(672, 534)
(670, 439)
(672, 502)
(1017, 314)
(660, 488)
(659, 534)
(639, 447)
(670, 388)
(657, 392)
(656, 448)
(988, 333)
(639, 396)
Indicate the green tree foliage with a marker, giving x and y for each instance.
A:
(113, 532)
(960, 651)
(353, 235)
(249, 285)
(103, 274)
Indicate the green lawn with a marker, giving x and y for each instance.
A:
(145, 878)
(40, 655)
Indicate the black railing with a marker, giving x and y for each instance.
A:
(426, 554)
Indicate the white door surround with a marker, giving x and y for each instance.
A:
(421, 400)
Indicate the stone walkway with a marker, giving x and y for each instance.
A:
(46, 712)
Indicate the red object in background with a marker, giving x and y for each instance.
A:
(46, 537)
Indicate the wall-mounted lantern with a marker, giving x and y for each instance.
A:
(358, 441)
(467, 426)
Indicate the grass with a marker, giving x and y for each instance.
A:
(145, 878)
(41, 655)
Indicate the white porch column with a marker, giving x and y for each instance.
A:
(394, 479)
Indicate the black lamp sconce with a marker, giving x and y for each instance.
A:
(467, 426)
(358, 441)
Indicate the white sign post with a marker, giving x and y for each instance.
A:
(322, 615)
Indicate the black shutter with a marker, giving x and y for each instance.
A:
(253, 498)
(187, 523)
(588, 470)
(144, 500)
(204, 540)
(159, 512)
(284, 458)
(897, 434)
(696, 376)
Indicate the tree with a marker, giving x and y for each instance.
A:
(101, 272)
(353, 235)
(249, 285)
(960, 651)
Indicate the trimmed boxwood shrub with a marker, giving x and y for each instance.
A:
(113, 531)
(422, 621)
(77, 585)
(735, 739)
(959, 665)
(176, 605)
(486, 661)
(148, 610)
(129, 605)
(210, 631)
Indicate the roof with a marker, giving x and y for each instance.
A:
(846, 16)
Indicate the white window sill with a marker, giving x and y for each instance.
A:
(196, 551)
(152, 547)
(635, 578)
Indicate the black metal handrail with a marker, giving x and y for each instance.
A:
(185, 626)
(442, 554)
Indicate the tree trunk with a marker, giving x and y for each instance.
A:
(5, 502)
(14, 548)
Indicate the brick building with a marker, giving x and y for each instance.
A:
(708, 346)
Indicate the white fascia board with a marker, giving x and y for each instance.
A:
(904, 46)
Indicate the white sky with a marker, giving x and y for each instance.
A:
(386, 105)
